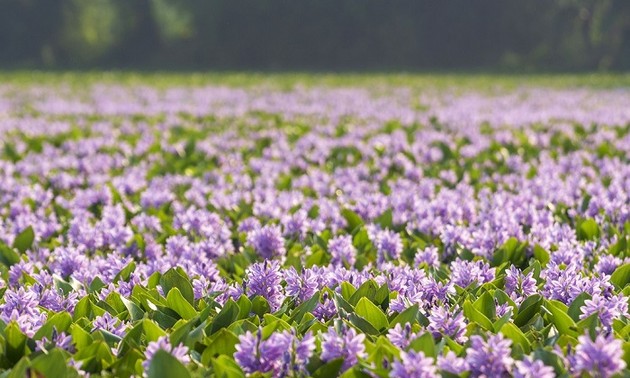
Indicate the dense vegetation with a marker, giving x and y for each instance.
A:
(274, 227)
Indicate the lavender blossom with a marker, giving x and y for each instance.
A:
(265, 279)
(530, 368)
(489, 358)
(414, 365)
(180, 352)
(602, 357)
(349, 346)
(267, 241)
(342, 250)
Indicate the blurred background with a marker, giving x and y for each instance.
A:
(318, 35)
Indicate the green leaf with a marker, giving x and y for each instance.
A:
(347, 290)
(135, 312)
(81, 337)
(24, 240)
(20, 370)
(260, 306)
(626, 352)
(424, 343)
(8, 256)
(368, 289)
(588, 229)
(15, 342)
(473, 315)
(245, 306)
(222, 342)
(362, 324)
(563, 322)
(621, 276)
(151, 330)
(226, 367)
(541, 255)
(305, 307)
(530, 307)
(52, 364)
(330, 369)
(164, 365)
(385, 220)
(575, 309)
(60, 321)
(353, 219)
(408, 316)
(590, 324)
(125, 272)
(485, 305)
(517, 336)
(227, 315)
(511, 251)
(96, 356)
(177, 303)
(173, 279)
(373, 314)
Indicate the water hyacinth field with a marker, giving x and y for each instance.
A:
(266, 229)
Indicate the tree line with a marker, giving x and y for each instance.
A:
(316, 34)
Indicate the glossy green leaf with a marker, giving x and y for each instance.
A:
(164, 365)
(173, 279)
(329, 369)
(517, 336)
(353, 220)
(473, 315)
(373, 314)
(52, 364)
(177, 303)
(228, 314)
(425, 343)
(226, 367)
(408, 316)
(222, 342)
(15, 342)
(560, 319)
(24, 240)
(621, 276)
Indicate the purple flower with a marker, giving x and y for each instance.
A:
(300, 286)
(180, 352)
(414, 365)
(22, 306)
(530, 368)
(607, 264)
(602, 357)
(247, 353)
(108, 323)
(401, 336)
(349, 346)
(282, 353)
(491, 358)
(464, 273)
(296, 224)
(519, 286)
(59, 340)
(450, 363)
(267, 241)
(342, 250)
(325, 310)
(428, 256)
(388, 245)
(445, 322)
(608, 309)
(265, 279)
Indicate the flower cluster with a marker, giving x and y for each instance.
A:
(221, 231)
